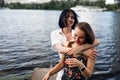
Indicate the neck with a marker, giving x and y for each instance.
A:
(68, 33)
(67, 30)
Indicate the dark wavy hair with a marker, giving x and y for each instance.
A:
(63, 15)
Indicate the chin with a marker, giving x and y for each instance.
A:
(78, 43)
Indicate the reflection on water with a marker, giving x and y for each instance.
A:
(25, 41)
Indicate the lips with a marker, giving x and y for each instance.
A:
(69, 23)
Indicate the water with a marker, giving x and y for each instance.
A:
(25, 41)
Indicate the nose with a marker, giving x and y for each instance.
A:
(77, 38)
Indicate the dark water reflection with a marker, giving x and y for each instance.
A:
(25, 41)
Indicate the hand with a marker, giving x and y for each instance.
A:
(46, 77)
(91, 53)
(71, 51)
(73, 62)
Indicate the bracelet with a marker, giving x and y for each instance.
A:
(82, 68)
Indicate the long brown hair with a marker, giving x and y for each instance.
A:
(84, 26)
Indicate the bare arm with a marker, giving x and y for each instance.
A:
(58, 66)
(81, 49)
(62, 48)
(87, 46)
(55, 69)
(78, 50)
(89, 69)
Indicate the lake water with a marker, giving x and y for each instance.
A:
(25, 41)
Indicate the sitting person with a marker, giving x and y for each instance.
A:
(76, 66)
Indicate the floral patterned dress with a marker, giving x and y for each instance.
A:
(74, 73)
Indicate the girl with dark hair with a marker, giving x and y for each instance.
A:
(67, 21)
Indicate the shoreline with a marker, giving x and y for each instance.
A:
(38, 73)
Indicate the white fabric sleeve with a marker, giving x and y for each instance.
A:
(55, 39)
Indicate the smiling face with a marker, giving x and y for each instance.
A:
(69, 19)
(83, 34)
(79, 36)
